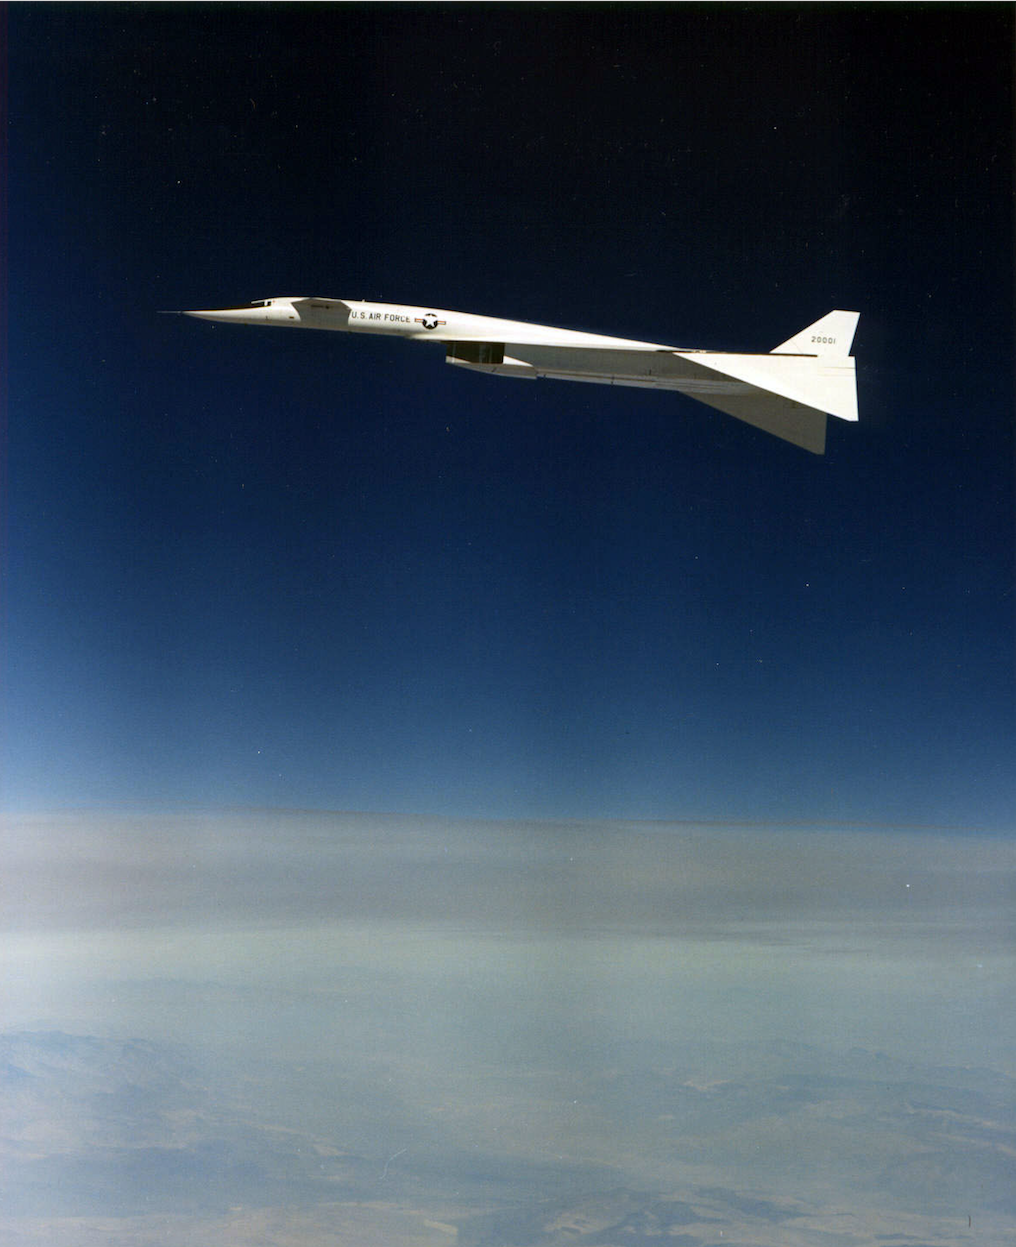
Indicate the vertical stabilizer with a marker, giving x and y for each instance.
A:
(832, 335)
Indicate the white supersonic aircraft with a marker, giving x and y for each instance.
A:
(788, 392)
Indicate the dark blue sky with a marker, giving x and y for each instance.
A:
(253, 567)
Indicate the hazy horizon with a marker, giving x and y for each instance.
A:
(503, 1019)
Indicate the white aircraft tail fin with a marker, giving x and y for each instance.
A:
(832, 335)
(790, 391)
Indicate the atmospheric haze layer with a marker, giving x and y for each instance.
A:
(283, 1028)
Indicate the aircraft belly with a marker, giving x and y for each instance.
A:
(661, 370)
(780, 414)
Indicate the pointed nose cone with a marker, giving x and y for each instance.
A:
(240, 315)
